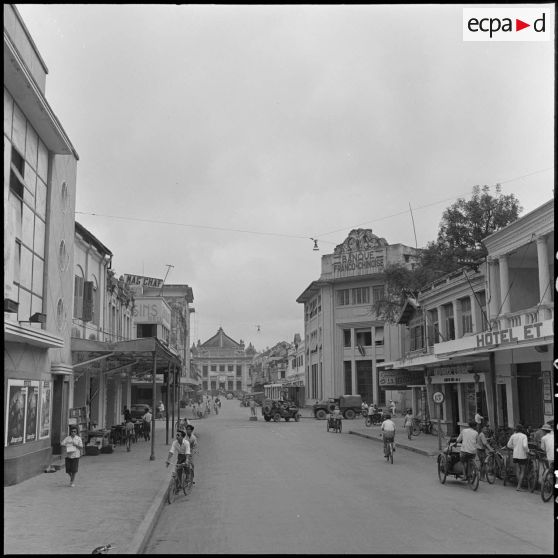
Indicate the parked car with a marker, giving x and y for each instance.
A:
(138, 410)
(349, 405)
(276, 410)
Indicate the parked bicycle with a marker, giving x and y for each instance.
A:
(547, 482)
(421, 425)
(488, 468)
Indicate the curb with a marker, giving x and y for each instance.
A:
(397, 444)
(142, 534)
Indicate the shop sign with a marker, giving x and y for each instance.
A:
(490, 339)
(399, 379)
(457, 369)
(453, 379)
(142, 281)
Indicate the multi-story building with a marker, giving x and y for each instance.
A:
(345, 338)
(40, 165)
(179, 298)
(483, 337)
(223, 363)
(295, 363)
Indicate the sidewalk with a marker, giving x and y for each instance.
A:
(425, 444)
(117, 499)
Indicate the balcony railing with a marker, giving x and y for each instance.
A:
(524, 317)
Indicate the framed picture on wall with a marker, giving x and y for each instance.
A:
(45, 410)
(21, 412)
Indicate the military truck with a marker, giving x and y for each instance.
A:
(349, 405)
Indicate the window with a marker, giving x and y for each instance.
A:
(361, 295)
(145, 330)
(450, 324)
(238, 370)
(238, 386)
(343, 297)
(433, 327)
(221, 368)
(466, 315)
(78, 294)
(204, 371)
(213, 368)
(417, 337)
(346, 339)
(379, 336)
(363, 337)
(481, 296)
(230, 368)
(378, 293)
(348, 376)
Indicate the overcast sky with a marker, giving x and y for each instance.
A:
(196, 122)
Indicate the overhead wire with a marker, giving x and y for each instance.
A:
(313, 237)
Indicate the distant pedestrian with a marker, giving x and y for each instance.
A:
(73, 444)
(160, 410)
(127, 414)
(409, 423)
(252, 407)
(392, 407)
(478, 420)
(547, 445)
(147, 418)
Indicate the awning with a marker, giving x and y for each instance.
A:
(144, 354)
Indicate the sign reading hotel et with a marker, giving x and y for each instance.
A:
(361, 251)
(512, 336)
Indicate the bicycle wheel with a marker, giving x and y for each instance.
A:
(391, 453)
(474, 475)
(339, 426)
(416, 429)
(128, 442)
(171, 491)
(368, 421)
(442, 468)
(547, 488)
(489, 465)
(532, 477)
(499, 466)
(187, 481)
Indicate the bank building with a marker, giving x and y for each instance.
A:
(345, 338)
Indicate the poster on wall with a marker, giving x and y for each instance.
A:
(31, 413)
(45, 410)
(21, 412)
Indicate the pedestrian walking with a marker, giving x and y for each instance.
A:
(252, 407)
(392, 407)
(73, 444)
(519, 443)
(409, 423)
(147, 418)
(160, 410)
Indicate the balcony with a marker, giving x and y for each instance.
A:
(525, 317)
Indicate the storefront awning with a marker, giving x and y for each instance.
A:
(144, 354)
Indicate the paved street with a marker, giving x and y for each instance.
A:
(295, 488)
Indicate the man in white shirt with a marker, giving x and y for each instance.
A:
(388, 432)
(181, 447)
(518, 441)
(547, 444)
(468, 438)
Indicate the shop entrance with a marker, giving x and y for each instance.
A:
(530, 394)
(364, 379)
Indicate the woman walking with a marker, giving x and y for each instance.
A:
(73, 445)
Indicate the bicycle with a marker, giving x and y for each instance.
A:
(488, 468)
(547, 482)
(534, 460)
(472, 474)
(421, 425)
(389, 449)
(104, 549)
(180, 480)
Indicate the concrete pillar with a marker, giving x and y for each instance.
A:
(544, 273)
(504, 285)
(457, 322)
(493, 295)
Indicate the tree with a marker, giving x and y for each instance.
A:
(465, 224)
(463, 227)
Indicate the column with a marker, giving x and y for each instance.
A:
(504, 285)
(457, 321)
(492, 296)
(441, 330)
(544, 274)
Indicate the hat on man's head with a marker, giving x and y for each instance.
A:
(546, 427)
(189, 427)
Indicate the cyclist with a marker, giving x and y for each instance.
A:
(482, 444)
(180, 446)
(468, 438)
(388, 432)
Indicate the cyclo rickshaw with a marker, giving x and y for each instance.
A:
(449, 464)
(333, 422)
